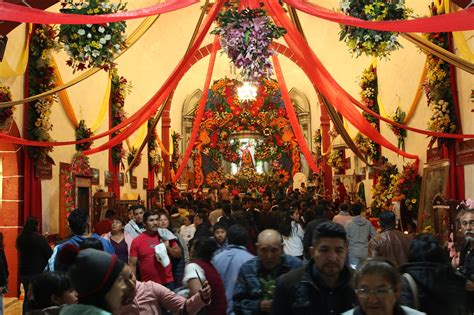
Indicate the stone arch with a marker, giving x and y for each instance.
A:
(302, 105)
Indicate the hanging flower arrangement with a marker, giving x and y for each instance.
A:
(400, 133)
(438, 88)
(92, 45)
(79, 166)
(120, 88)
(5, 96)
(82, 132)
(130, 156)
(41, 79)
(318, 147)
(370, 42)
(410, 187)
(246, 37)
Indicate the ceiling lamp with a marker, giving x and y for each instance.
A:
(247, 92)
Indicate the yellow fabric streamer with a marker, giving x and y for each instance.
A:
(132, 39)
(6, 71)
(69, 109)
(139, 139)
(103, 109)
(162, 147)
(459, 39)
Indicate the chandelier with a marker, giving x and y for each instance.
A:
(247, 92)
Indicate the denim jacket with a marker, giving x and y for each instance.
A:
(255, 284)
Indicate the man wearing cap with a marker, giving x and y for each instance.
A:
(153, 260)
(390, 243)
(253, 292)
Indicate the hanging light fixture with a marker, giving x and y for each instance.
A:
(247, 91)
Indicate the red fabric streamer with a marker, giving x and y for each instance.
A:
(200, 110)
(169, 85)
(17, 13)
(323, 81)
(457, 21)
(295, 125)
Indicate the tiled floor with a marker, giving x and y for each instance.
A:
(12, 306)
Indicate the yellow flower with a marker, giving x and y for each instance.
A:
(413, 200)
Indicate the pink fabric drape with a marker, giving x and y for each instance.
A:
(200, 110)
(290, 110)
(17, 13)
(457, 21)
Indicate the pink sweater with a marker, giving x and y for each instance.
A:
(151, 296)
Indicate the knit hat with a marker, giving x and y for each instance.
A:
(92, 272)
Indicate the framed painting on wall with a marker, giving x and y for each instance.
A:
(434, 183)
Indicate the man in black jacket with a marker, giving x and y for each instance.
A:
(322, 286)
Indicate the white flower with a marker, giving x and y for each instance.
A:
(345, 5)
(89, 25)
(87, 48)
(117, 46)
(81, 31)
(108, 37)
(89, 35)
(95, 53)
(102, 40)
(101, 29)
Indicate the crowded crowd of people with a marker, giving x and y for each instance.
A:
(274, 252)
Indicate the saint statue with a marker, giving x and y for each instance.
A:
(247, 159)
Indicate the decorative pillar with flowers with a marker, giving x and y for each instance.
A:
(119, 90)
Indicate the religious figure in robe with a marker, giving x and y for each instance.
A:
(247, 159)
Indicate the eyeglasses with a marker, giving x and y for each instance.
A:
(379, 293)
(467, 223)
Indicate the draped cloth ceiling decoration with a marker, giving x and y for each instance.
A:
(320, 77)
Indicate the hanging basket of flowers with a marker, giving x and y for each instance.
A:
(82, 132)
(246, 37)
(370, 42)
(92, 45)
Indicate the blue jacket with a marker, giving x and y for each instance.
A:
(55, 265)
(255, 283)
(228, 264)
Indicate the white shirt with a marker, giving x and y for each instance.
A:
(293, 244)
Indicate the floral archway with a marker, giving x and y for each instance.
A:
(225, 115)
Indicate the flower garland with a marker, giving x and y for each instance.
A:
(5, 96)
(438, 88)
(246, 37)
(400, 133)
(41, 79)
(130, 156)
(155, 162)
(92, 45)
(82, 132)
(410, 187)
(176, 156)
(79, 166)
(336, 160)
(318, 147)
(369, 92)
(120, 88)
(383, 191)
(370, 42)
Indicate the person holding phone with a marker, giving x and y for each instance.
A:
(201, 270)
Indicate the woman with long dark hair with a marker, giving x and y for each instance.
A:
(34, 253)
(293, 233)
